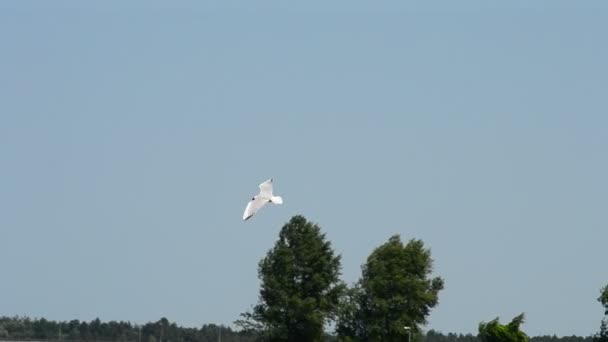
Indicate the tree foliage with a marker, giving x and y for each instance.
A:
(25, 328)
(300, 286)
(602, 335)
(603, 298)
(435, 336)
(394, 292)
(493, 331)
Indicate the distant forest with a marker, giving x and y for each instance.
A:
(434, 336)
(24, 328)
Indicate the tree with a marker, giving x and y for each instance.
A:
(493, 331)
(602, 335)
(395, 293)
(603, 298)
(300, 288)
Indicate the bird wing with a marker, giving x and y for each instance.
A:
(253, 206)
(266, 189)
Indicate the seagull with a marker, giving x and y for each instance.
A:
(261, 199)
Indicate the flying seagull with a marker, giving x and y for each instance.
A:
(261, 199)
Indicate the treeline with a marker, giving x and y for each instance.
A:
(434, 336)
(553, 338)
(24, 328)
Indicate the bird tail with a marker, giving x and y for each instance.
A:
(276, 199)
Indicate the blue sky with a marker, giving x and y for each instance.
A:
(132, 136)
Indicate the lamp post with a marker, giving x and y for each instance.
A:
(409, 333)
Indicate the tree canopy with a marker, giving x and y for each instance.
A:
(602, 335)
(435, 336)
(25, 328)
(493, 331)
(394, 294)
(300, 285)
(603, 298)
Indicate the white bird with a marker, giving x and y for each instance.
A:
(261, 199)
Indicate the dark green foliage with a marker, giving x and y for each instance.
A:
(602, 335)
(603, 298)
(434, 336)
(23, 328)
(300, 287)
(493, 331)
(554, 338)
(395, 291)
(351, 319)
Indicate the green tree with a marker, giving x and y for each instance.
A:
(602, 335)
(395, 291)
(300, 286)
(493, 331)
(603, 298)
(351, 320)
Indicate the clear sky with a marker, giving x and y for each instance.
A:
(133, 135)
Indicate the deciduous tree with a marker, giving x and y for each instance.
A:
(395, 293)
(300, 287)
(493, 331)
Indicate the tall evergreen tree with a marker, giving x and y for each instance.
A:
(300, 287)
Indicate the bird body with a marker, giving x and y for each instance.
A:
(258, 201)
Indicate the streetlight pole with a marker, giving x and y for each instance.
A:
(409, 333)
